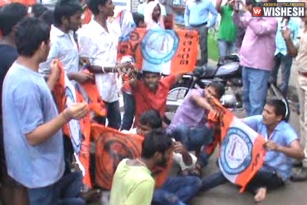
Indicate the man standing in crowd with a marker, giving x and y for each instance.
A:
(227, 31)
(98, 42)
(196, 17)
(257, 58)
(282, 59)
(32, 126)
(12, 193)
(132, 181)
(299, 51)
(67, 19)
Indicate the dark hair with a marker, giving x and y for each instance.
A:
(155, 141)
(149, 72)
(151, 118)
(138, 18)
(48, 17)
(279, 107)
(30, 33)
(94, 4)
(218, 87)
(38, 10)
(65, 8)
(10, 15)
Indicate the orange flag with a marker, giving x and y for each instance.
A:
(111, 147)
(78, 130)
(176, 49)
(242, 152)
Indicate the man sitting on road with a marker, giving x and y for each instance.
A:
(151, 92)
(133, 182)
(174, 190)
(190, 124)
(282, 145)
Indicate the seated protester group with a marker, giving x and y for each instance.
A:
(282, 146)
(190, 124)
(175, 190)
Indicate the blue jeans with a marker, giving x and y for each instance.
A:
(64, 192)
(255, 86)
(113, 116)
(225, 48)
(194, 138)
(285, 62)
(176, 191)
(129, 111)
(263, 178)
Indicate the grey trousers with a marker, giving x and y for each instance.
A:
(203, 43)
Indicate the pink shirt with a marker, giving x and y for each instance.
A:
(258, 46)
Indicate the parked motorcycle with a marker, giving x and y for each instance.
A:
(229, 73)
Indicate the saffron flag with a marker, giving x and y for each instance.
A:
(242, 152)
(111, 147)
(78, 130)
(166, 51)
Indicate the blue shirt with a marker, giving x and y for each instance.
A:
(281, 46)
(27, 104)
(283, 135)
(197, 13)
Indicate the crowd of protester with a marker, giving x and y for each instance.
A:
(36, 156)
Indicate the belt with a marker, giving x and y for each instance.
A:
(199, 25)
(302, 73)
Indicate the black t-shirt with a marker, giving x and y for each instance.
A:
(8, 55)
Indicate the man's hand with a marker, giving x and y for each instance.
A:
(76, 111)
(124, 66)
(271, 146)
(179, 148)
(83, 61)
(83, 77)
(55, 70)
(244, 7)
(286, 33)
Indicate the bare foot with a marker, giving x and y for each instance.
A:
(260, 194)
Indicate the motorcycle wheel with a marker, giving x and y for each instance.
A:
(175, 97)
(274, 91)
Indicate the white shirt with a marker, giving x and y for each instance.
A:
(62, 47)
(100, 47)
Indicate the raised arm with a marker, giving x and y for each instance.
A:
(237, 20)
(292, 49)
(260, 26)
(218, 5)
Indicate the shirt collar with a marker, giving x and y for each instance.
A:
(97, 27)
(57, 31)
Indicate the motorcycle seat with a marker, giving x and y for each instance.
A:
(209, 70)
(204, 71)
